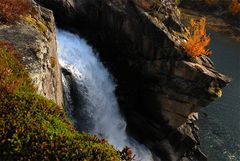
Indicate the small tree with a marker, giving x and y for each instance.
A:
(197, 39)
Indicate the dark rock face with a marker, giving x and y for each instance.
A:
(159, 89)
(65, 10)
(219, 10)
(38, 49)
(75, 101)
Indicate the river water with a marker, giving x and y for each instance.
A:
(220, 129)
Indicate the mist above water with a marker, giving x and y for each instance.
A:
(97, 110)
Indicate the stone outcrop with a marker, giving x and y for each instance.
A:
(218, 9)
(159, 90)
(34, 39)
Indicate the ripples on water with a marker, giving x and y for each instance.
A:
(220, 130)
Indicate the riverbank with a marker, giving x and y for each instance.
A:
(214, 23)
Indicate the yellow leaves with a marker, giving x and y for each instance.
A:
(36, 23)
(197, 41)
(234, 7)
(215, 91)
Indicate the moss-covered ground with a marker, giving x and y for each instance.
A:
(31, 126)
(34, 128)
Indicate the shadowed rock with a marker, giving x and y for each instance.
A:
(159, 88)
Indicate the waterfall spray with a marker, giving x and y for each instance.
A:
(96, 110)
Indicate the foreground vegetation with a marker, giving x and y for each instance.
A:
(31, 126)
(197, 39)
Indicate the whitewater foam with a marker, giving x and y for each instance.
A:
(99, 109)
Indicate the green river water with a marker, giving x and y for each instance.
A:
(220, 129)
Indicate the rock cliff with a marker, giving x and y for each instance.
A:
(35, 40)
(32, 127)
(224, 9)
(159, 90)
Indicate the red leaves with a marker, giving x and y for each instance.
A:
(11, 10)
(7, 82)
(127, 154)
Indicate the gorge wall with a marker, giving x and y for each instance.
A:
(225, 9)
(35, 39)
(160, 90)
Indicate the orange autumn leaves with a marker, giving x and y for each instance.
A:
(234, 7)
(197, 39)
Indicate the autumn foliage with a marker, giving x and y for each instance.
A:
(234, 7)
(197, 39)
(127, 154)
(34, 128)
(11, 77)
(11, 10)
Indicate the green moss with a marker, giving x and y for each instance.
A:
(36, 23)
(53, 62)
(34, 128)
(13, 76)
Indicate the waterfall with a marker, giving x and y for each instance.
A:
(96, 108)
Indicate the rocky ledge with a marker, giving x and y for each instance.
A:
(160, 90)
(35, 39)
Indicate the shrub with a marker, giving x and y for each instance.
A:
(197, 39)
(34, 128)
(11, 10)
(127, 154)
(13, 76)
(234, 7)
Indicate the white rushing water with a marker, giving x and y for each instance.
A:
(99, 108)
